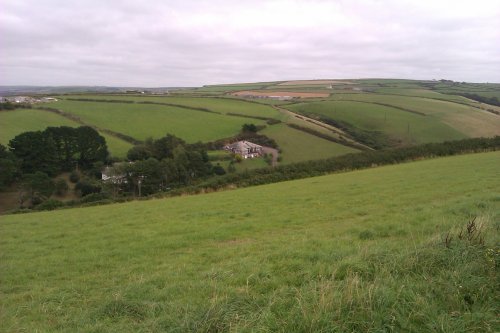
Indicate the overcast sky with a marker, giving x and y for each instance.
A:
(192, 43)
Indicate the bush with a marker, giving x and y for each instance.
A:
(249, 128)
(238, 158)
(50, 204)
(74, 177)
(93, 197)
(85, 187)
(219, 170)
(231, 168)
(273, 121)
(61, 187)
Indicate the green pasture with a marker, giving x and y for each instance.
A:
(395, 83)
(219, 104)
(146, 120)
(400, 126)
(297, 146)
(468, 120)
(362, 251)
(117, 147)
(13, 123)
(420, 92)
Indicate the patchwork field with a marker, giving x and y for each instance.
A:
(280, 94)
(216, 104)
(401, 112)
(345, 252)
(146, 120)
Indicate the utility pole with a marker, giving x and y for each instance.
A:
(139, 183)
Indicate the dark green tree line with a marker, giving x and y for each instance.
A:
(59, 149)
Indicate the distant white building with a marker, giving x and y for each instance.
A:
(246, 149)
(280, 98)
(111, 175)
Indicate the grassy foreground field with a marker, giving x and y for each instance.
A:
(354, 252)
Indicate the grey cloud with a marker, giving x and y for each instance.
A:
(172, 43)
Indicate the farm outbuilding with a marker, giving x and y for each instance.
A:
(246, 149)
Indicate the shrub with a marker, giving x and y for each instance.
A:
(86, 187)
(74, 177)
(50, 204)
(273, 121)
(93, 197)
(219, 170)
(238, 158)
(61, 187)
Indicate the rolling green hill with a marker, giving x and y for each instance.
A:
(400, 126)
(219, 104)
(466, 119)
(372, 112)
(358, 251)
(148, 120)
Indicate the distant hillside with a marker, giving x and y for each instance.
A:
(28, 90)
(308, 119)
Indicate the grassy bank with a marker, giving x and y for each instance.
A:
(358, 251)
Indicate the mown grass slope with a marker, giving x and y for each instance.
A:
(359, 251)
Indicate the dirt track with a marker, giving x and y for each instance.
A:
(323, 125)
(272, 151)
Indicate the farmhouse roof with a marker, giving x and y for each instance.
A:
(243, 145)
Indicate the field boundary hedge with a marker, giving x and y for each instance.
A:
(348, 162)
(344, 163)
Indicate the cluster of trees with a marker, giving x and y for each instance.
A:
(13, 106)
(32, 159)
(161, 164)
(9, 167)
(59, 149)
(483, 99)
